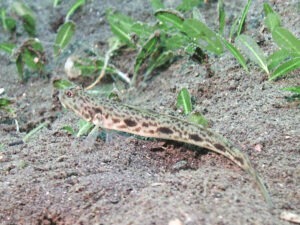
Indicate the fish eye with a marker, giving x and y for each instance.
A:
(69, 94)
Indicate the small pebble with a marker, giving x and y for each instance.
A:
(175, 222)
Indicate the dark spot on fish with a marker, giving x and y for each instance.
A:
(115, 120)
(220, 147)
(144, 124)
(90, 112)
(195, 137)
(137, 129)
(130, 123)
(123, 126)
(151, 131)
(178, 131)
(117, 115)
(106, 116)
(86, 115)
(81, 99)
(97, 110)
(165, 130)
(85, 100)
(152, 124)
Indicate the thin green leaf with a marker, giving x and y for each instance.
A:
(272, 21)
(21, 9)
(221, 14)
(184, 101)
(243, 18)
(29, 24)
(277, 58)
(238, 23)
(29, 59)
(7, 47)
(295, 96)
(170, 16)
(74, 8)
(121, 25)
(20, 66)
(63, 37)
(31, 54)
(286, 40)
(3, 18)
(62, 84)
(206, 38)
(68, 129)
(27, 16)
(114, 44)
(233, 29)
(295, 89)
(187, 5)
(175, 42)
(157, 4)
(250, 48)
(268, 9)
(285, 68)
(34, 44)
(148, 48)
(5, 106)
(161, 60)
(236, 53)
(142, 30)
(89, 67)
(8, 23)
(125, 21)
(5, 102)
(198, 118)
(34, 131)
(84, 128)
(121, 34)
(56, 3)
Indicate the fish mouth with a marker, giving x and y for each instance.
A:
(71, 107)
(61, 99)
(63, 104)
